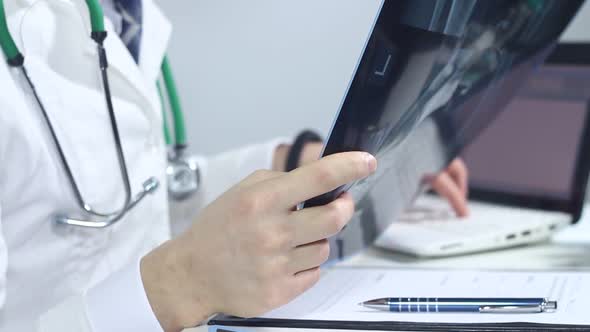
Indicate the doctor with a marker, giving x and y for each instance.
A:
(238, 247)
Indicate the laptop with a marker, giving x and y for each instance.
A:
(528, 169)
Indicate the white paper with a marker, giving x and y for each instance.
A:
(338, 293)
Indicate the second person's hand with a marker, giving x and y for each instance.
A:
(452, 184)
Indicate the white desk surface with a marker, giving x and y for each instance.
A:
(568, 250)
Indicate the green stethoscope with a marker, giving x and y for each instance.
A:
(182, 172)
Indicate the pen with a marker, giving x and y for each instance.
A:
(460, 305)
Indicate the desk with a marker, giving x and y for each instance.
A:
(568, 250)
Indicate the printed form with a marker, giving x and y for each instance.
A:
(338, 293)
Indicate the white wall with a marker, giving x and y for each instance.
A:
(251, 70)
(579, 29)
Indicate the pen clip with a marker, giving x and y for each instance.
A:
(510, 309)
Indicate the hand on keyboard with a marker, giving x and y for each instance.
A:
(452, 184)
(422, 213)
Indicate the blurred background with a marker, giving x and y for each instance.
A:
(252, 70)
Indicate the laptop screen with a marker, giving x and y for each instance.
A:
(531, 150)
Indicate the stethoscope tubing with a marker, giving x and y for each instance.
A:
(16, 60)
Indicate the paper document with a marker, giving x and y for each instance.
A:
(338, 293)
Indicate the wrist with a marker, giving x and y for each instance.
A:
(175, 299)
(280, 157)
(299, 153)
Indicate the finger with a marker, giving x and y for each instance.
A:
(321, 222)
(322, 176)
(460, 174)
(447, 188)
(303, 281)
(259, 176)
(309, 256)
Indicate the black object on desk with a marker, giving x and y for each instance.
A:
(231, 324)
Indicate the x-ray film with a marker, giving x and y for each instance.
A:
(434, 73)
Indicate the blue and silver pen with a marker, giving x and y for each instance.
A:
(460, 305)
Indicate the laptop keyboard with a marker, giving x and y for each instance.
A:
(443, 220)
(432, 223)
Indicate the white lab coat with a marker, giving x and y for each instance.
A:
(46, 270)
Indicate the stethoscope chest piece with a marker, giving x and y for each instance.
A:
(183, 176)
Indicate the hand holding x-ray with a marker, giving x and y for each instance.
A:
(451, 183)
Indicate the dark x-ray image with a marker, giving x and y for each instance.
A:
(434, 73)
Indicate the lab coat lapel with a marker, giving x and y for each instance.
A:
(122, 67)
(155, 37)
(122, 64)
(156, 31)
(129, 81)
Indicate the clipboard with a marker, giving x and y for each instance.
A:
(332, 303)
(222, 323)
